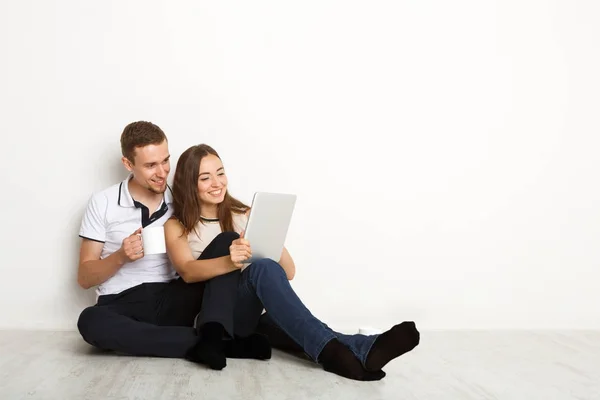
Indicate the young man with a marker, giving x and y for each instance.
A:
(143, 307)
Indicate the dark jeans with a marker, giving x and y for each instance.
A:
(265, 284)
(156, 319)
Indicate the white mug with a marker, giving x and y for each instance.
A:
(153, 240)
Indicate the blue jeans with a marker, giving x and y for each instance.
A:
(264, 284)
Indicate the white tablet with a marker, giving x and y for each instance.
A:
(268, 224)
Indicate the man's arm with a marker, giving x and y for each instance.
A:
(92, 270)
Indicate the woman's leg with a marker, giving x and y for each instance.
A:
(217, 314)
(214, 321)
(220, 292)
(265, 282)
(278, 338)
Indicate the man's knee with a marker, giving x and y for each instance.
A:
(89, 321)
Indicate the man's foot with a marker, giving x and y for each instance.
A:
(401, 339)
(254, 346)
(209, 349)
(339, 359)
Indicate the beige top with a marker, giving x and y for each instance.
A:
(206, 231)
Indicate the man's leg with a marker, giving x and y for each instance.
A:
(126, 323)
(346, 355)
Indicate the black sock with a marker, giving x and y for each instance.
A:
(209, 349)
(340, 360)
(401, 339)
(255, 346)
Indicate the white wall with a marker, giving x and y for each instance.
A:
(444, 153)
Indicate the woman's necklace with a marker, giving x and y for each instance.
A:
(209, 219)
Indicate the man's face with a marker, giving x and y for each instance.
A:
(151, 167)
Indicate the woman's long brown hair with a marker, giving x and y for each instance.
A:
(186, 200)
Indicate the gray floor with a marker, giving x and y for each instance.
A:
(447, 365)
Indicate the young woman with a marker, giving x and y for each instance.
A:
(206, 217)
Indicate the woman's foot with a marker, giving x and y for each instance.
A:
(340, 360)
(255, 346)
(401, 339)
(208, 354)
(209, 349)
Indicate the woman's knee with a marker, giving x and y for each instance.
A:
(227, 237)
(219, 246)
(267, 267)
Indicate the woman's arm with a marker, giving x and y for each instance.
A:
(180, 254)
(287, 263)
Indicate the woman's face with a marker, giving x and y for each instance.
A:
(212, 181)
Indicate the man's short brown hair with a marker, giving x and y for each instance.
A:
(140, 134)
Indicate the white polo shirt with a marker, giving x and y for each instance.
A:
(110, 217)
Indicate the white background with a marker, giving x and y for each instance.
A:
(444, 153)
